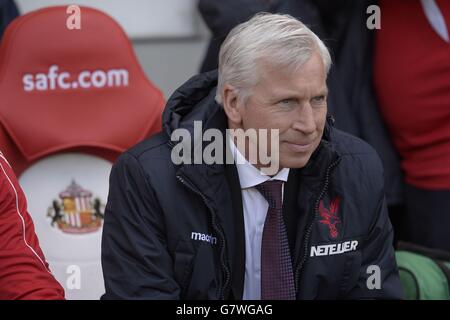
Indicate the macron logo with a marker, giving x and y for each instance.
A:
(203, 237)
(336, 248)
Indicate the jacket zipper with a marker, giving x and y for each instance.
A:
(309, 229)
(218, 231)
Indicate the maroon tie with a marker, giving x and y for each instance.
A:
(277, 277)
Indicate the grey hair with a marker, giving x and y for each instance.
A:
(279, 38)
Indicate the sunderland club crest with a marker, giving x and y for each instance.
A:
(76, 212)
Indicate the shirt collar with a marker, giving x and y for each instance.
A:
(249, 175)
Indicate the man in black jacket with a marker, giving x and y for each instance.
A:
(342, 23)
(315, 228)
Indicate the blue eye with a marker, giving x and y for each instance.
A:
(287, 103)
(318, 99)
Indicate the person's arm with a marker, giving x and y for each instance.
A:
(135, 260)
(377, 247)
(24, 273)
(378, 251)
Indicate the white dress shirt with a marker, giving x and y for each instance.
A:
(255, 209)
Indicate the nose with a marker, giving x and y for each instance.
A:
(305, 120)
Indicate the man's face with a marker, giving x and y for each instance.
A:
(294, 102)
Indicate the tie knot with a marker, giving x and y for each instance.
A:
(271, 191)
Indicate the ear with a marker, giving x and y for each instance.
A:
(231, 104)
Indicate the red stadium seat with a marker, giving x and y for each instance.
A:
(70, 102)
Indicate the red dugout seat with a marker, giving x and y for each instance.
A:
(70, 102)
(82, 111)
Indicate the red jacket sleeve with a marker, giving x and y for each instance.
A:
(24, 273)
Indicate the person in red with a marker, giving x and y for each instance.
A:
(24, 273)
(412, 82)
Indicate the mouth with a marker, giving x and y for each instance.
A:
(297, 147)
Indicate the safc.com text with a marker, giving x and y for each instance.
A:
(86, 79)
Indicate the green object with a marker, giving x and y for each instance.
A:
(424, 273)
